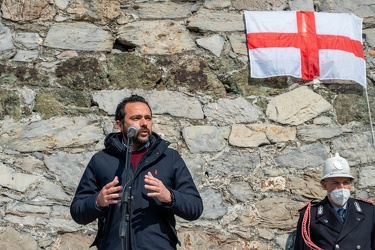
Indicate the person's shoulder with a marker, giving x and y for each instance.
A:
(365, 201)
(311, 203)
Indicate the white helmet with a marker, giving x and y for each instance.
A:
(336, 167)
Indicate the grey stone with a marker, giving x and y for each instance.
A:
(298, 5)
(207, 21)
(213, 43)
(296, 106)
(164, 10)
(367, 177)
(79, 36)
(306, 156)
(205, 138)
(212, 201)
(70, 176)
(156, 37)
(25, 56)
(6, 42)
(28, 40)
(314, 132)
(231, 111)
(12, 239)
(13, 180)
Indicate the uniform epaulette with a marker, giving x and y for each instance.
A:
(312, 202)
(366, 200)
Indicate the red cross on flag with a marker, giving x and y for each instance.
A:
(305, 45)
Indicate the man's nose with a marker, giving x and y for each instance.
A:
(142, 122)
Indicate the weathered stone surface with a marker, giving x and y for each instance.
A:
(28, 40)
(214, 44)
(82, 74)
(231, 111)
(283, 218)
(302, 5)
(239, 190)
(232, 163)
(217, 4)
(11, 239)
(214, 208)
(10, 104)
(13, 180)
(6, 42)
(163, 10)
(79, 36)
(242, 136)
(357, 148)
(22, 75)
(161, 102)
(238, 43)
(28, 10)
(175, 104)
(314, 132)
(93, 11)
(62, 101)
(70, 177)
(367, 177)
(307, 186)
(163, 37)
(195, 75)
(361, 9)
(73, 241)
(206, 21)
(25, 56)
(205, 138)
(259, 5)
(296, 106)
(306, 156)
(350, 107)
(51, 134)
(131, 71)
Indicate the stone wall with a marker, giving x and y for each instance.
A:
(255, 147)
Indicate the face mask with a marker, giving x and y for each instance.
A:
(340, 196)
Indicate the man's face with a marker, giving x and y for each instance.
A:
(139, 115)
(334, 183)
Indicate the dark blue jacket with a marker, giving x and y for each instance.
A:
(328, 231)
(152, 224)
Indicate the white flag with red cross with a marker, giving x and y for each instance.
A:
(305, 45)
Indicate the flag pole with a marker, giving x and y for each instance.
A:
(369, 114)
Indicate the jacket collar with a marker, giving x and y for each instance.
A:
(327, 215)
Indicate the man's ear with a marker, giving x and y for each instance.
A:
(324, 184)
(120, 125)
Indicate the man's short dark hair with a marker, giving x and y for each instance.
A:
(120, 110)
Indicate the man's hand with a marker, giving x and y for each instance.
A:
(109, 194)
(160, 191)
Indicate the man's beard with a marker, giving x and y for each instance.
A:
(141, 141)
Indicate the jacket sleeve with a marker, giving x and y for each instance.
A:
(299, 243)
(83, 208)
(188, 203)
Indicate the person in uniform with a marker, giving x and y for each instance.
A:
(338, 221)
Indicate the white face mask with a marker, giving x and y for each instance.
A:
(340, 196)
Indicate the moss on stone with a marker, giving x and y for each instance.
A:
(126, 70)
(82, 74)
(9, 104)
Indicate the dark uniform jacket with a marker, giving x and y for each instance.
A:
(152, 224)
(328, 231)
